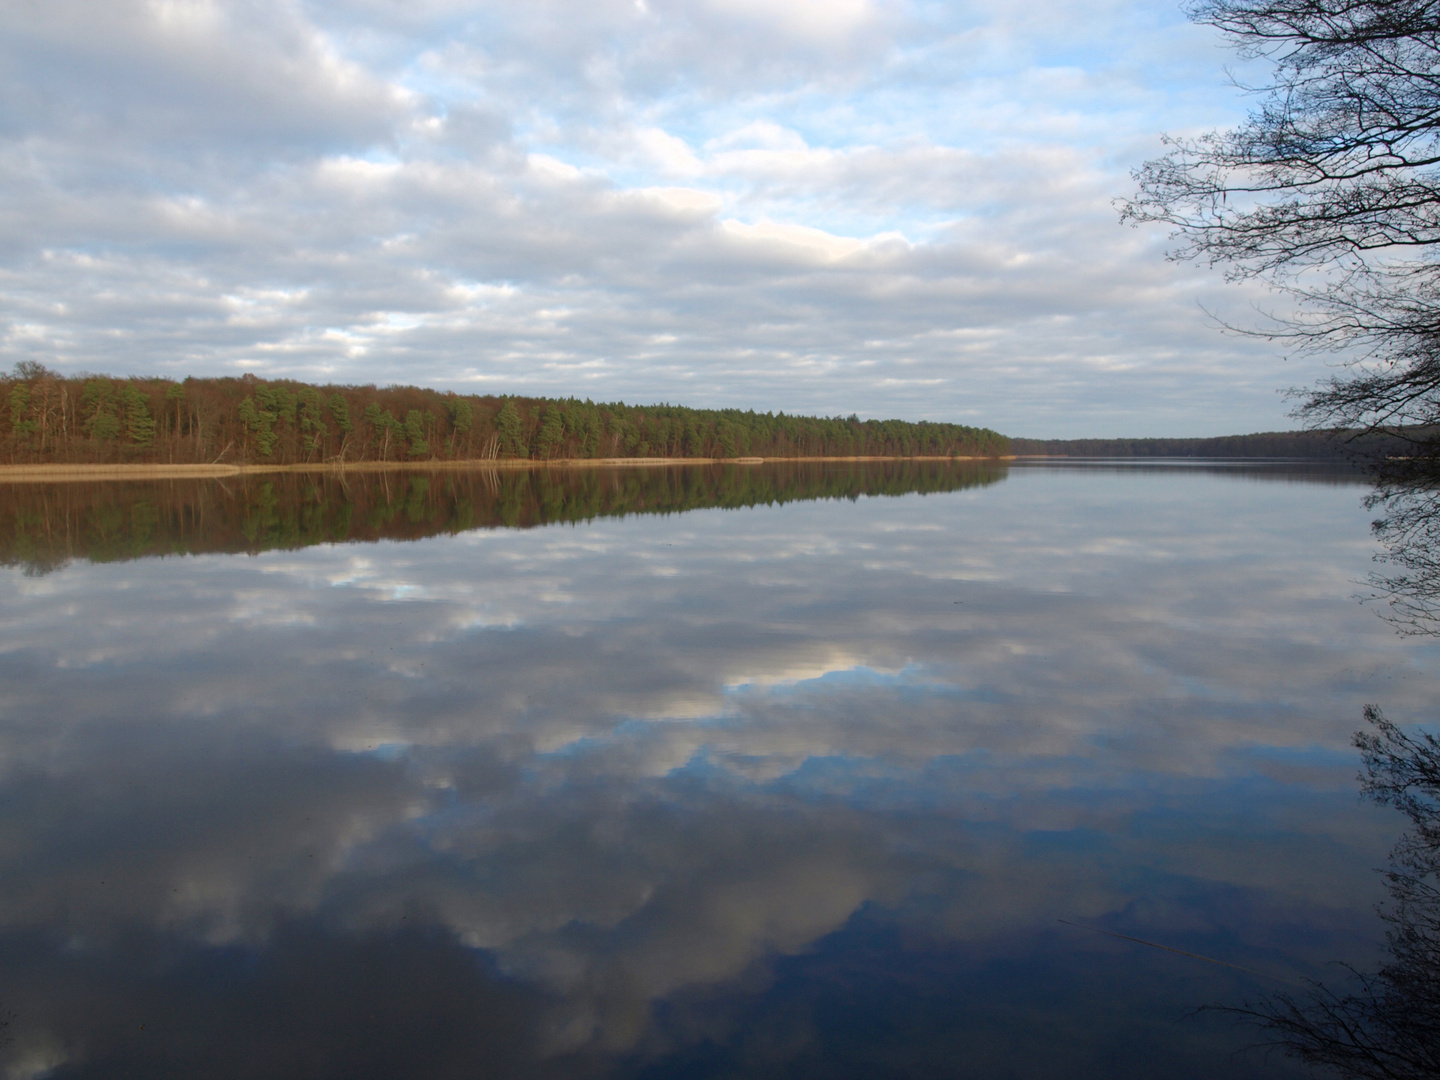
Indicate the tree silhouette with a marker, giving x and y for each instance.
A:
(1330, 191)
(1386, 1025)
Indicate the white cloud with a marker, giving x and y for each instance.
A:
(817, 206)
(814, 20)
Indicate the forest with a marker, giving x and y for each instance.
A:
(45, 526)
(1328, 445)
(46, 417)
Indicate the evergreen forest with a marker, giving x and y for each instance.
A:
(50, 418)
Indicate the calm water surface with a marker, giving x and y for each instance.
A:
(725, 772)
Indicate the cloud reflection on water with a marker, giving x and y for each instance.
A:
(1119, 698)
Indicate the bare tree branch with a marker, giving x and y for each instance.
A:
(1330, 192)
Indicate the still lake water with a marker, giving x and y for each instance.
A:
(721, 772)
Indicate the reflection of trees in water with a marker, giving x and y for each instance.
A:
(1387, 1024)
(1409, 529)
(44, 526)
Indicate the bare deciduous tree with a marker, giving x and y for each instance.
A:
(1331, 193)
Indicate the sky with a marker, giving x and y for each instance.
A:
(888, 207)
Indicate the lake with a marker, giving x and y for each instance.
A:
(791, 771)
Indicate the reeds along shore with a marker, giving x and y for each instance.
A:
(50, 419)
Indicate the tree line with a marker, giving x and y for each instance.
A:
(47, 417)
(45, 526)
(1337, 446)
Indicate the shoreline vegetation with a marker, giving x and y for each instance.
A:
(51, 419)
(1304, 445)
(60, 428)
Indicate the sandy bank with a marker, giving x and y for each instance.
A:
(51, 474)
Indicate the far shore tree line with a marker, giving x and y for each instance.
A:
(46, 417)
(1360, 447)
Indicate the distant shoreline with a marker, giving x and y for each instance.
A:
(70, 473)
